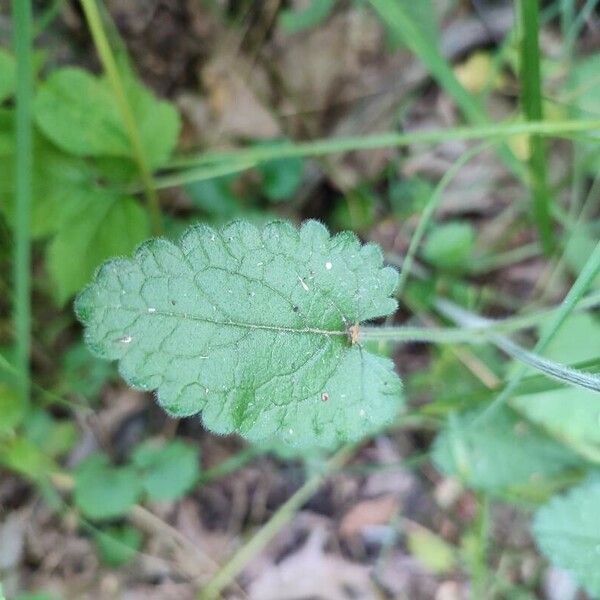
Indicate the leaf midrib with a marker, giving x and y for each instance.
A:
(240, 324)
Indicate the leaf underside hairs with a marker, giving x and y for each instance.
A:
(255, 328)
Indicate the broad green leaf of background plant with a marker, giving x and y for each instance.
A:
(24, 457)
(431, 550)
(250, 327)
(7, 74)
(103, 491)
(103, 225)
(83, 373)
(570, 414)
(500, 452)
(118, 545)
(282, 177)
(79, 113)
(450, 245)
(585, 97)
(53, 437)
(294, 21)
(214, 196)
(59, 181)
(424, 16)
(579, 245)
(167, 472)
(567, 529)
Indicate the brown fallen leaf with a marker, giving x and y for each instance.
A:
(312, 573)
(373, 511)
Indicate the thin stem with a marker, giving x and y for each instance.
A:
(582, 283)
(486, 264)
(265, 534)
(550, 368)
(429, 211)
(199, 174)
(22, 41)
(322, 147)
(48, 16)
(470, 333)
(109, 63)
(532, 108)
(435, 335)
(399, 19)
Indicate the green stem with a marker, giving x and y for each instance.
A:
(236, 462)
(399, 18)
(323, 147)
(472, 333)
(582, 283)
(550, 368)
(21, 10)
(429, 211)
(532, 108)
(486, 264)
(267, 532)
(46, 18)
(200, 174)
(109, 63)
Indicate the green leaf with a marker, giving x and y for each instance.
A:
(294, 21)
(12, 408)
(167, 472)
(118, 545)
(500, 452)
(356, 210)
(570, 414)
(103, 225)
(450, 246)
(282, 177)
(52, 436)
(83, 373)
(214, 196)
(24, 457)
(59, 182)
(80, 114)
(7, 75)
(250, 326)
(567, 529)
(433, 552)
(421, 15)
(585, 94)
(103, 491)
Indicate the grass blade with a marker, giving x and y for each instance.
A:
(109, 63)
(323, 147)
(578, 289)
(21, 11)
(429, 211)
(399, 19)
(531, 100)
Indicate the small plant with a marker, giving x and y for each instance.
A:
(256, 328)
(261, 330)
(264, 329)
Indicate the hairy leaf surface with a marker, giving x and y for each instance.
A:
(251, 327)
(500, 453)
(567, 530)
